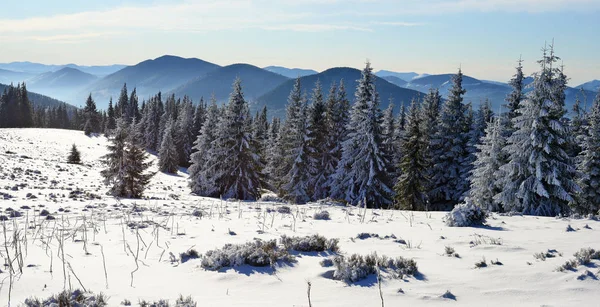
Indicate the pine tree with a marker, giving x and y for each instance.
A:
(199, 116)
(539, 179)
(294, 169)
(362, 172)
(201, 173)
(430, 115)
(450, 149)
(261, 131)
(318, 133)
(184, 133)
(115, 160)
(514, 99)
(123, 105)
(489, 159)
(136, 179)
(25, 109)
(411, 193)
(110, 123)
(74, 156)
(168, 158)
(238, 168)
(588, 200)
(92, 118)
(133, 111)
(337, 117)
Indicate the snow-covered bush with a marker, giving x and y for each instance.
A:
(321, 215)
(76, 298)
(356, 267)
(256, 253)
(159, 303)
(465, 215)
(585, 255)
(314, 243)
(190, 254)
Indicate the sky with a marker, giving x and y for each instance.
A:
(483, 37)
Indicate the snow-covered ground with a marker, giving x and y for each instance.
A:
(34, 176)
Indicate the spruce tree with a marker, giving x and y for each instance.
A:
(411, 193)
(294, 170)
(124, 110)
(588, 200)
(337, 117)
(539, 178)
(168, 158)
(136, 176)
(115, 160)
(92, 118)
(133, 108)
(201, 173)
(74, 156)
(184, 132)
(489, 159)
(450, 149)
(111, 123)
(199, 116)
(361, 175)
(25, 109)
(318, 133)
(238, 168)
(516, 96)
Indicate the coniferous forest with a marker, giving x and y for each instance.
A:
(532, 156)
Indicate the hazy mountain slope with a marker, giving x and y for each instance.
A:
(290, 72)
(276, 99)
(255, 82)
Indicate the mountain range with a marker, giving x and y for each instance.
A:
(291, 72)
(268, 86)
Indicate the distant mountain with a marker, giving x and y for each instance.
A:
(478, 90)
(593, 86)
(63, 84)
(406, 76)
(66, 77)
(291, 72)
(276, 99)
(395, 80)
(255, 82)
(37, 68)
(149, 77)
(9, 76)
(38, 100)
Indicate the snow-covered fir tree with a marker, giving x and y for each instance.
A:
(115, 160)
(362, 172)
(136, 164)
(293, 140)
(168, 158)
(489, 159)
(411, 193)
(450, 151)
(578, 128)
(337, 117)
(588, 200)
(123, 104)
(74, 156)
(201, 173)
(111, 123)
(430, 112)
(391, 141)
(261, 131)
(238, 167)
(516, 96)
(92, 117)
(184, 131)
(133, 111)
(539, 177)
(318, 133)
(199, 116)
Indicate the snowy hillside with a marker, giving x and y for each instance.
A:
(130, 249)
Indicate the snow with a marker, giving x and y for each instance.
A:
(512, 240)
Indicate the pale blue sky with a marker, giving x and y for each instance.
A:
(485, 37)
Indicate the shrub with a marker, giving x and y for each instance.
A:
(257, 253)
(570, 265)
(76, 298)
(271, 198)
(356, 267)
(481, 263)
(448, 295)
(450, 252)
(585, 255)
(185, 302)
(190, 254)
(326, 263)
(159, 303)
(551, 253)
(126, 302)
(314, 243)
(465, 215)
(321, 215)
